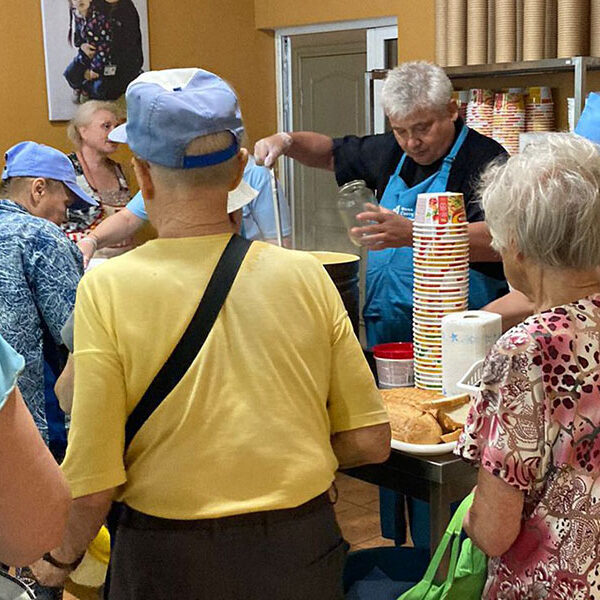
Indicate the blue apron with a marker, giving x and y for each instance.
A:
(388, 305)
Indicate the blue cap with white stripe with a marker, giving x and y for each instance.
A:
(168, 109)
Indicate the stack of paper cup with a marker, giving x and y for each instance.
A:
(519, 32)
(539, 109)
(573, 28)
(480, 110)
(509, 120)
(441, 23)
(477, 34)
(441, 278)
(461, 97)
(533, 29)
(550, 26)
(491, 45)
(506, 30)
(595, 27)
(456, 40)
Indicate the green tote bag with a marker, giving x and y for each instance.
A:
(467, 571)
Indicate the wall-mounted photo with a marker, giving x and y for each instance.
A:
(93, 49)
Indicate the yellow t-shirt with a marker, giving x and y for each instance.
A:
(248, 427)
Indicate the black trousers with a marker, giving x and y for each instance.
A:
(293, 554)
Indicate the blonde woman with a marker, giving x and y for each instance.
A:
(100, 176)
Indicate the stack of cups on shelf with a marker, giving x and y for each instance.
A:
(441, 21)
(480, 110)
(550, 28)
(462, 100)
(441, 278)
(595, 28)
(456, 33)
(509, 119)
(506, 30)
(539, 109)
(533, 29)
(477, 32)
(573, 28)
(491, 44)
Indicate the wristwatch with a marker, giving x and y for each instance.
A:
(61, 565)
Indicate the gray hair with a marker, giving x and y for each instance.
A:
(545, 202)
(84, 114)
(415, 86)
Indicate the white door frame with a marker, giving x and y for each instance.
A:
(283, 77)
(376, 39)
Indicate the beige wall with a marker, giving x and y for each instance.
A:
(416, 26)
(231, 37)
(220, 36)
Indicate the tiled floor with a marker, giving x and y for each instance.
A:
(357, 510)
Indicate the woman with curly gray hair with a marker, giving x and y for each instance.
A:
(534, 428)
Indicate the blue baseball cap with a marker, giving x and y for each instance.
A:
(29, 159)
(167, 109)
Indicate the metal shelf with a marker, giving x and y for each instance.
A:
(579, 65)
(531, 67)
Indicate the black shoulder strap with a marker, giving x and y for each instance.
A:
(194, 337)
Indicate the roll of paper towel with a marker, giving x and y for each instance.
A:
(466, 338)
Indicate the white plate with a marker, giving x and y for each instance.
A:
(424, 449)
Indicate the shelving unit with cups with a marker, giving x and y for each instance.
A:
(570, 77)
(471, 32)
(500, 45)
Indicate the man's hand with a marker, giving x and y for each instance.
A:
(88, 50)
(49, 575)
(388, 230)
(269, 149)
(87, 246)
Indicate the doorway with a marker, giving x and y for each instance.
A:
(328, 88)
(322, 87)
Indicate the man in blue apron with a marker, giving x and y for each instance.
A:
(429, 149)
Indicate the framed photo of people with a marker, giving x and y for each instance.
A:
(93, 49)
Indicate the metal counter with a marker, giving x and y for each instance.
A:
(438, 480)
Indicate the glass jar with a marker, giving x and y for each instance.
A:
(352, 199)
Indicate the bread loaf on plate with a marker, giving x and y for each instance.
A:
(423, 416)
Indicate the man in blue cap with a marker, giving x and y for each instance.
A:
(40, 267)
(223, 481)
(39, 272)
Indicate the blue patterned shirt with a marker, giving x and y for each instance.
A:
(39, 272)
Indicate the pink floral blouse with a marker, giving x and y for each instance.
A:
(536, 425)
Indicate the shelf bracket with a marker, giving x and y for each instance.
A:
(580, 86)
